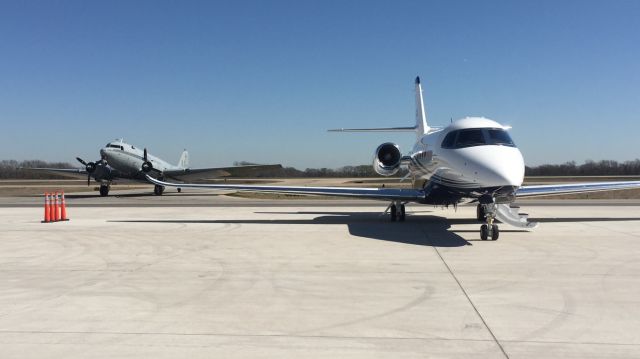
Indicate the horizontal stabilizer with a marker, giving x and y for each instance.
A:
(382, 129)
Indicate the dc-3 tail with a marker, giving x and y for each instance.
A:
(184, 160)
(421, 127)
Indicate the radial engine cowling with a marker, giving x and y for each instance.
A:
(386, 160)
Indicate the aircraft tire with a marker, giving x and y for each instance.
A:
(495, 232)
(158, 190)
(484, 232)
(394, 214)
(104, 191)
(402, 213)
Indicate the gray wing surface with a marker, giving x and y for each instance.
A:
(367, 193)
(207, 173)
(548, 190)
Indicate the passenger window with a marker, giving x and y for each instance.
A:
(468, 138)
(449, 140)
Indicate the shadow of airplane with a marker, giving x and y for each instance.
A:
(422, 230)
(138, 194)
(427, 230)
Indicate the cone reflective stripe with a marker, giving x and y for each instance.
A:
(47, 214)
(63, 209)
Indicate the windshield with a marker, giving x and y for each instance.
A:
(498, 136)
(468, 138)
(477, 137)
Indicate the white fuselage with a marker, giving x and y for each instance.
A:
(471, 169)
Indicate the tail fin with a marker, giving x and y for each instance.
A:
(421, 118)
(420, 128)
(184, 160)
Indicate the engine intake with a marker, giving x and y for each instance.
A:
(386, 160)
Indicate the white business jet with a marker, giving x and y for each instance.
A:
(472, 160)
(120, 160)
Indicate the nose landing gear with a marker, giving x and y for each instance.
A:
(489, 230)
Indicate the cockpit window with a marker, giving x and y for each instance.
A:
(449, 140)
(477, 137)
(498, 136)
(115, 146)
(472, 137)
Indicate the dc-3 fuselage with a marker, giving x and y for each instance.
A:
(121, 160)
(472, 160)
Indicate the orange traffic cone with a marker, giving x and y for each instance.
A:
(47, 213)
(56, 207)
(52, 212)
(63, 209)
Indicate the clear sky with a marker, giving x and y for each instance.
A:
(261, 81)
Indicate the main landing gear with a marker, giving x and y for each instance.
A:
(487, 213)
(158, 190)
(397, 211)
(104, 190)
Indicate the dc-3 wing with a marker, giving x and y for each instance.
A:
(69, 172)
(206, 173)
(370, 193)
(549, 190)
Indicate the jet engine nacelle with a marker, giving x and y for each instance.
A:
(386, 160)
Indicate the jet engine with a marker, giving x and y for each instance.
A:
(386, 160)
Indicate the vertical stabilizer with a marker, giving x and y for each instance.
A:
(421, 118)
(184, 160)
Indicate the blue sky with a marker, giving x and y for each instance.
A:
(262, 80)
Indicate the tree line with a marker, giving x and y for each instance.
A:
(12, 169)
(589, 168)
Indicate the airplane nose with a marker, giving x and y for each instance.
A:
(504, 166)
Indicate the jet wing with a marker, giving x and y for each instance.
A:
(69, 172)
(548, 190)
(207, 173)
(367, 193)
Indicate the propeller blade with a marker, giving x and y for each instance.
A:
(145, 154)
(81, 161)
(88, 180)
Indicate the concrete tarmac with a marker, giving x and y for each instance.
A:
(317, 281)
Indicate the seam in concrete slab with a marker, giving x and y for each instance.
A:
(471, 302)
(204, 334)
(242, 335)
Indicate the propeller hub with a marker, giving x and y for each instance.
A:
(147, 167)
